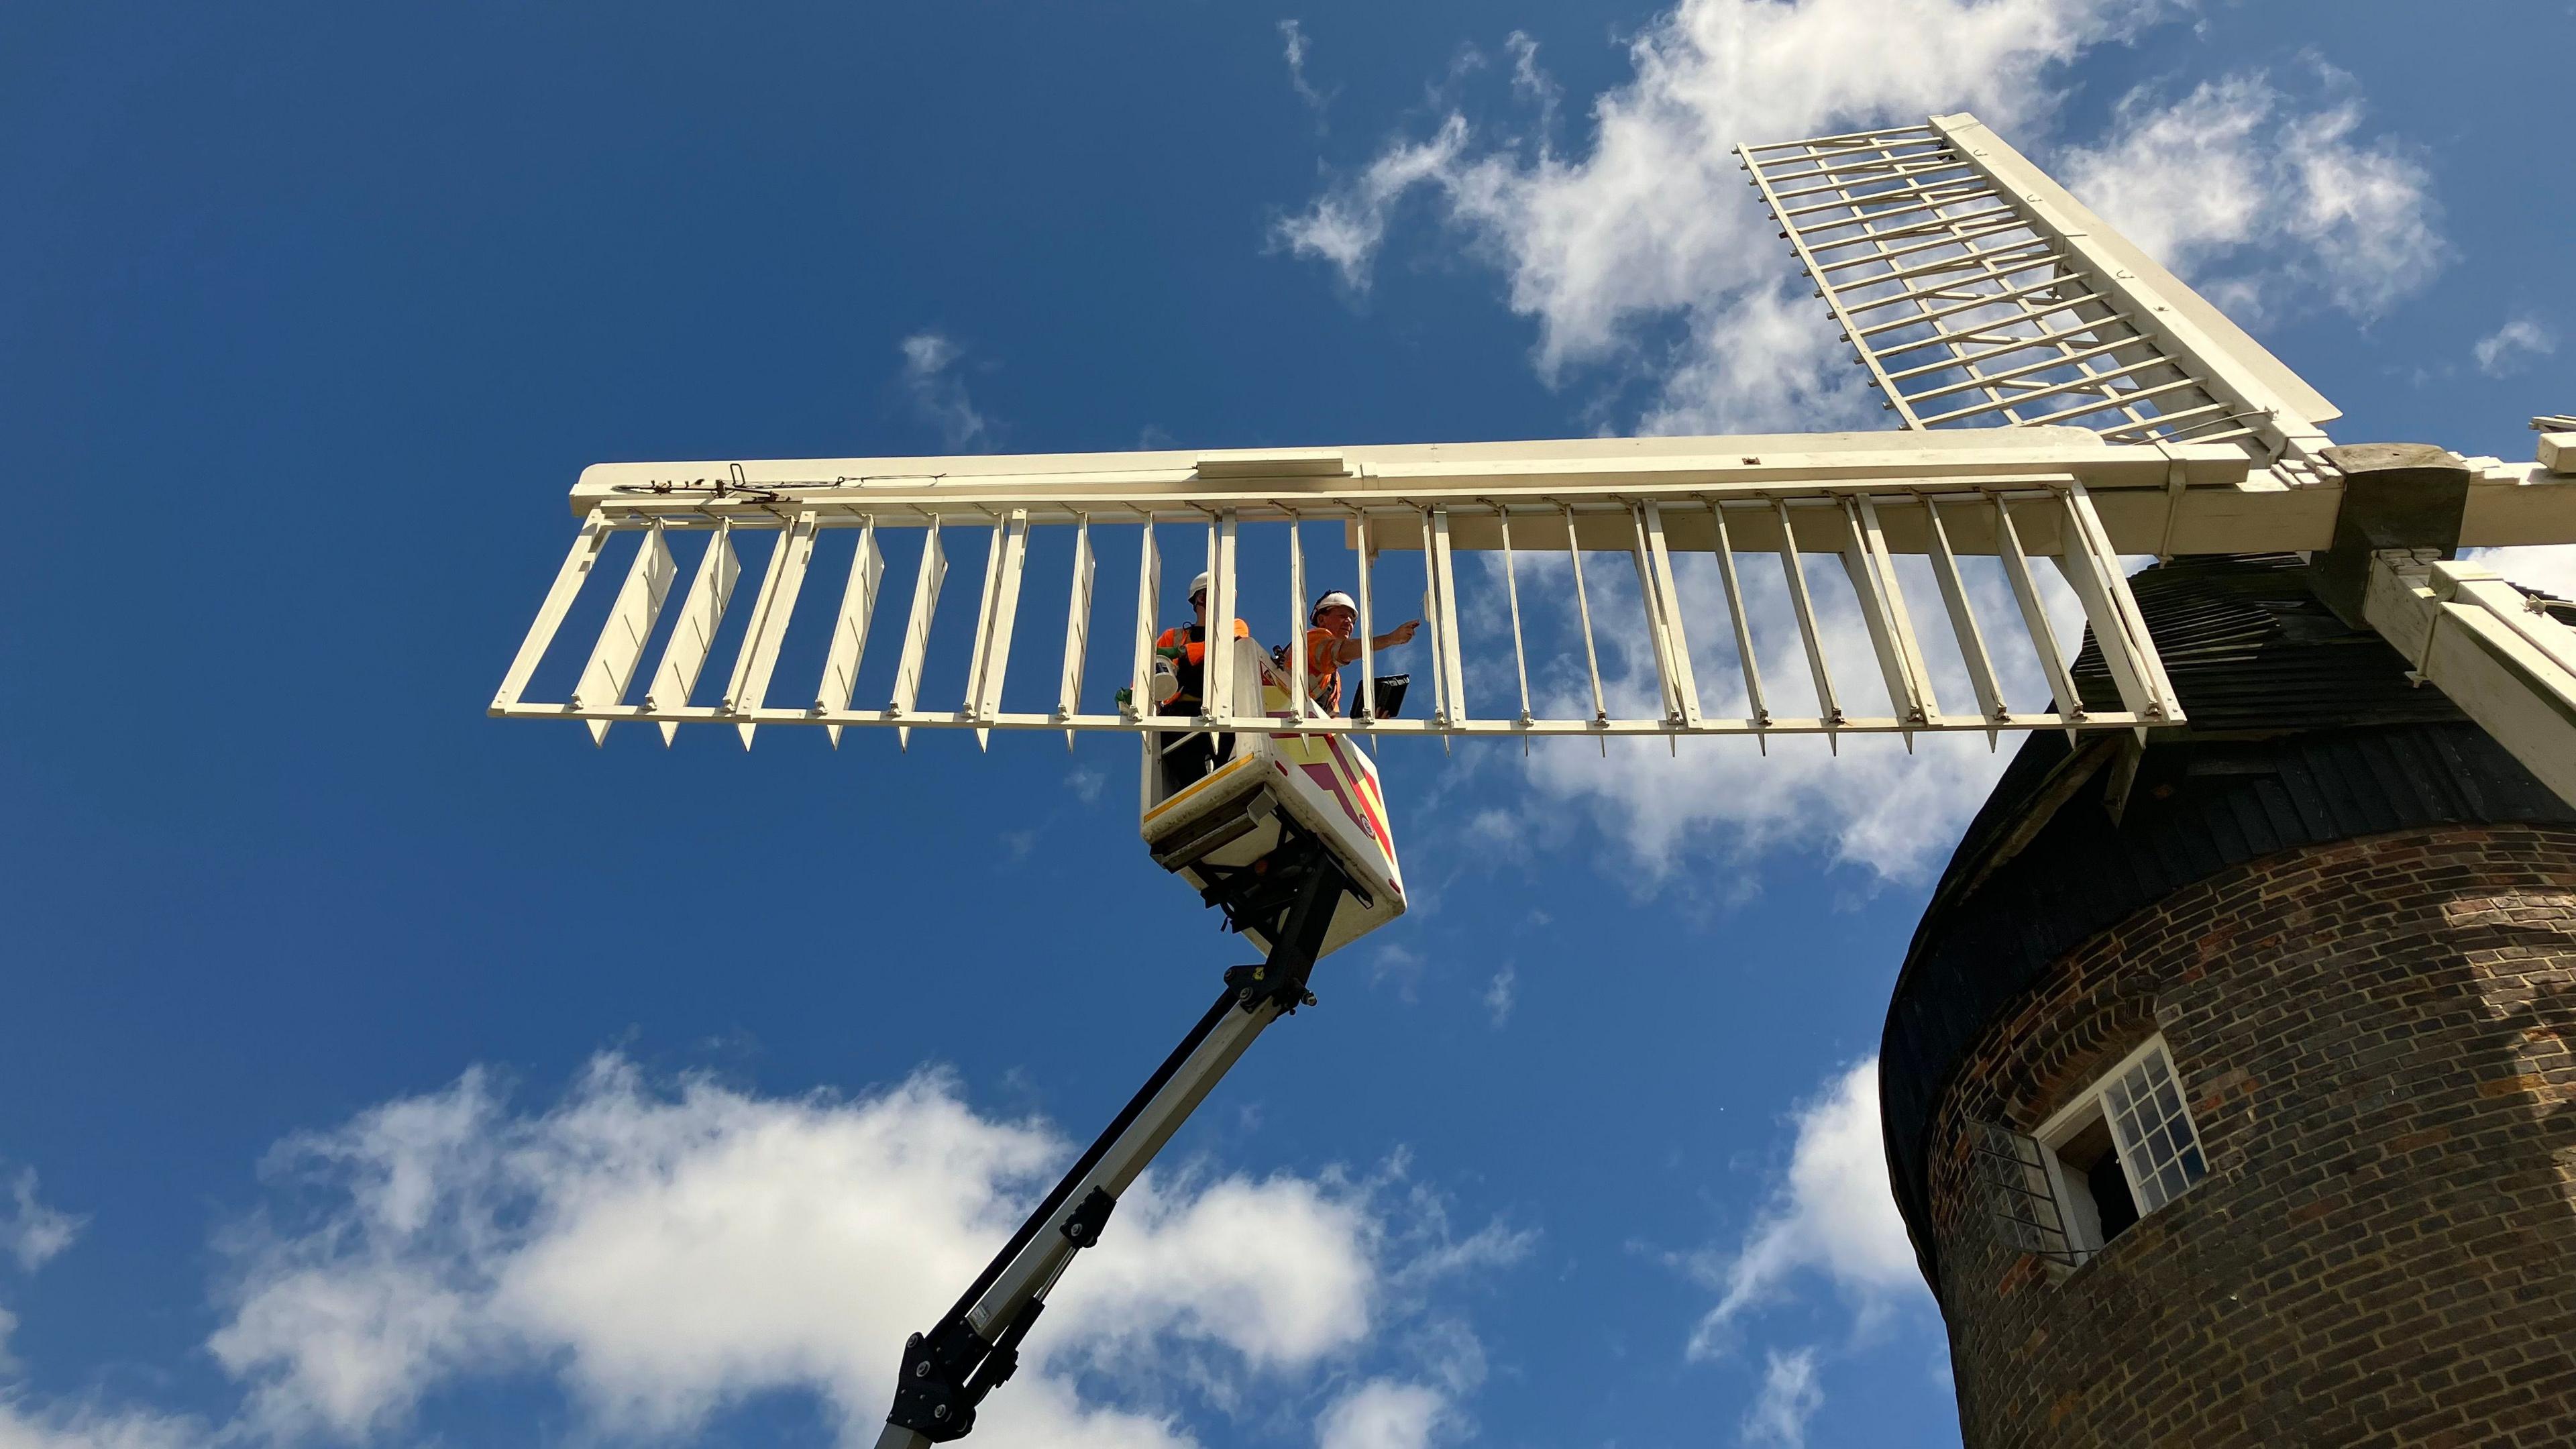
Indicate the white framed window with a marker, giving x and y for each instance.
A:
(2124, 1147)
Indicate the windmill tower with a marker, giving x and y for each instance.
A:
(2225, 1084)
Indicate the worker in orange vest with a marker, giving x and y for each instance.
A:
(1180, 657)
(1329, 646)
(1180, 684)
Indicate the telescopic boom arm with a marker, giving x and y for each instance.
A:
(975, 1348)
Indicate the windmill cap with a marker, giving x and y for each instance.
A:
(1334, 600)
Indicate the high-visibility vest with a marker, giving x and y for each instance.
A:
(1186, 646)
(1323, 670)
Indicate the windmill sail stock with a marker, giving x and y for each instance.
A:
(2064, 402)
(1817, 517)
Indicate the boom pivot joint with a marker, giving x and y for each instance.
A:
(1254, 985)
(1288, 896)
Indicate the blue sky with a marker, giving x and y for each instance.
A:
(375, 1072)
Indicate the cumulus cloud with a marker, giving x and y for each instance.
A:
(2264, 200)
(31, 1232)
(1383, 1414)
(1831, 1214)
(938, 394)
(1789, 1398)
(1636, 252)
(1876, 803)
(663, 1251)
(2512, 347)
(1652, 225)
(667, 1253)
(1645, 250)
(1873, 806)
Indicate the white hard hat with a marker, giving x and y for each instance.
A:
(1334, 600)
(1198, 585)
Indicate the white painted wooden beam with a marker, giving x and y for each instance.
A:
(2479, 640)
(630, 624)
(693, 635)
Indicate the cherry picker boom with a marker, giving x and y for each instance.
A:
(975, 1347)
(1286, 834)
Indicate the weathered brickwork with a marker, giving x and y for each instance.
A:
(2376, 1039)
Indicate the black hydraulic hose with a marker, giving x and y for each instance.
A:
(1091, 1156)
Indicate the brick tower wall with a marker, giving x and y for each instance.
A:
(2375, 1039)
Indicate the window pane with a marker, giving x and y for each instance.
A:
(2017, 1193)
(2153, 1132)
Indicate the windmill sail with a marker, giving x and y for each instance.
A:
(1980, 293)
(1814, 522)
(2066, 398)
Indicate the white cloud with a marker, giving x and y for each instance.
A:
(1640, 252)
(1500, 994)
(2511, 347)
(1789, 1398)
(663, 1252)
(1347, 227)
(1870, 801)
(1398, 964)
(2262, 200)
(666, 1254)
(80, 1425)
(2550, 567)
(1383, 1414)
(31, 1232)
(1278, 1271)
(1491, 1246)
(1832, 1214)
(938, 394)
(1533, 85)
(1651, 228)
(1293, 38)
(1653, 223)
(1086, 784)
(85, 1428)
(1873, 805)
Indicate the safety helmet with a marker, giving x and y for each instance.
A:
(1199, 586)
(1335, 599)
